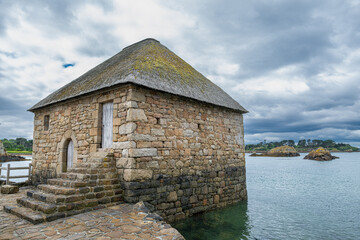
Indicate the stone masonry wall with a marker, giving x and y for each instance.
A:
(80, 120)
(179, 155)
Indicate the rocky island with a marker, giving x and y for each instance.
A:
(282, 151)
(320, 154)
(5, 157)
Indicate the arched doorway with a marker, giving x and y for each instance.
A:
(67, 149)
(70, 154)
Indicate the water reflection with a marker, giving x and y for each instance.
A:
(227, 223)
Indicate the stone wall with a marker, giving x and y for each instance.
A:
(180, 156)
(79, 120)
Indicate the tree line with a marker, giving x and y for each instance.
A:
(302, 145)
(18, 144)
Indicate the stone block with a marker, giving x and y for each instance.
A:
(193, 199)
(172, 197)
(127, 128)
(125, 163)
(134, 115)
(136, 96)
(216, 199)
(9, 189)
(137, 174)
(129, 104)
(117, 121)
(153, 165)
(141, 137)
(95, 131)
(143, 152)
(157, 132)
(188, 133)
(124, 145)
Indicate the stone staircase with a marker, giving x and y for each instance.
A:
(87, 187)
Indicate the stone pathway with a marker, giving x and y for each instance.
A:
(124, 221)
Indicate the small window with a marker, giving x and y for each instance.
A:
(46, 122)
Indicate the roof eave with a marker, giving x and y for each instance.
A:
(242, 110)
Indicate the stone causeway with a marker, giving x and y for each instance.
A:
(122, 221)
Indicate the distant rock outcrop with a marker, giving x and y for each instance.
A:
(320, 154)
(5, 157)
(282, 151)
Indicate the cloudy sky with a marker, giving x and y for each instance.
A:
(293, 64)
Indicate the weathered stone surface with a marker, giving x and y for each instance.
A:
(141, 137)
(143, 152)
(172, 196)
(125, 163)
(137, 174)
(124, 221)
(157, 132)
(320, 154)
(136, 115)
(129, 104)
(9, 189)
(124, 145)
(136, 96)
(182, 147)
(127, 128)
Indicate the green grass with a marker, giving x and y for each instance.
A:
(19, 151)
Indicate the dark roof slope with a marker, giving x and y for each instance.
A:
(147, 63)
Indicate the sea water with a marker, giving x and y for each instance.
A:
(288, 198)
(21, 172)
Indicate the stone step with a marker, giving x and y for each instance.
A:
(55, 199)
(67, 183)
(64, 210)
(35, 217)
(57, 190)
(108, 181)
(87, 170)
(37, 205)
(86, 177)
(78, 176)
(97, 164)
(45, 197)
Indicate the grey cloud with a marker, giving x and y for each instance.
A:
(261, 37)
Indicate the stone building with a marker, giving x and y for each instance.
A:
(141, 126)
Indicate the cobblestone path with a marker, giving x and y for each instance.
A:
(125, 221)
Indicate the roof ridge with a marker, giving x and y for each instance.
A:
(144, 40)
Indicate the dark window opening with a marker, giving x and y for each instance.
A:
(157, 120)
(46, 122)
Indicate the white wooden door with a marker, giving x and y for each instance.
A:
(107, 125)
(70, 154)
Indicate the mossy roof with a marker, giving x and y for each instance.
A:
(146, 63)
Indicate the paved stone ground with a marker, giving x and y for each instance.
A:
(124, 221)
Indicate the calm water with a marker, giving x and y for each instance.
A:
(289, 198)
(17, 172)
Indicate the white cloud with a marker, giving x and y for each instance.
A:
(227, 69)
(283, 81)
(297, 73)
